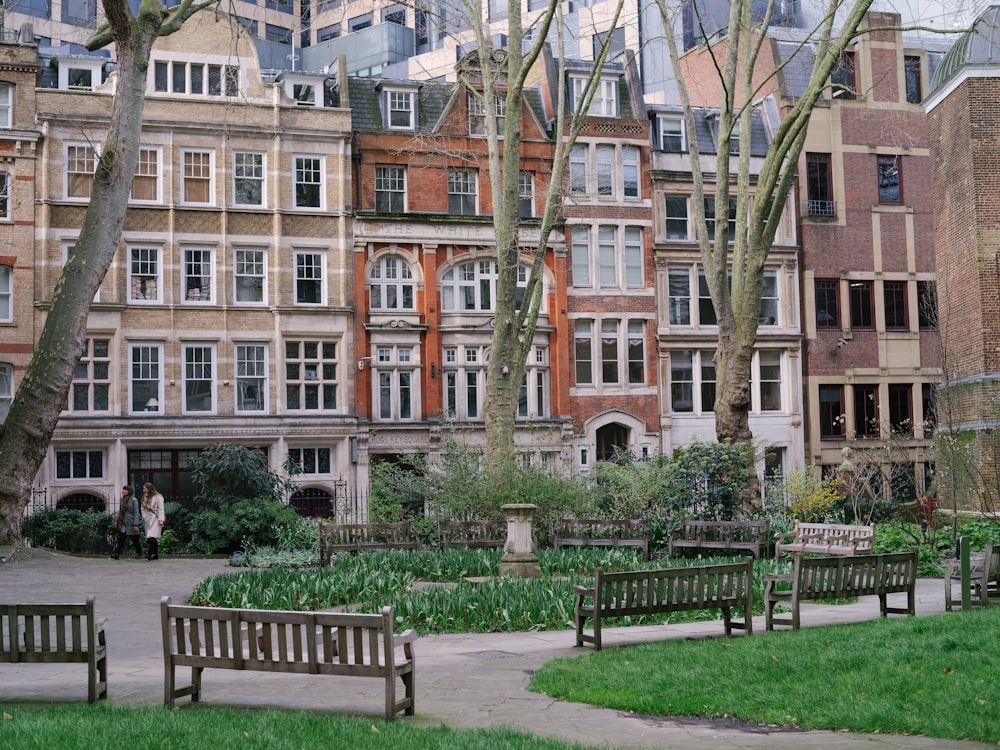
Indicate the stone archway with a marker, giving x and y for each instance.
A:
(610, 437)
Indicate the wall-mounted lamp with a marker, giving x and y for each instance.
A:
(840, 344)
(361, 362)
(434, 369)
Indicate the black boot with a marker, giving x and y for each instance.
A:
(152, 548)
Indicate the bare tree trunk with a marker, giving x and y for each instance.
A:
(27, 432)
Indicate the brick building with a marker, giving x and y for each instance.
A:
(963, 110)
(870, 360)
(226, 314)
(18, 141)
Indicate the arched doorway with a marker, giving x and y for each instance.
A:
(610, 437)
(81, 501)
(314, 502)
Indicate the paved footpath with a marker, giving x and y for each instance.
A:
(463, 681)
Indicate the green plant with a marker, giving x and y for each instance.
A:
(811, 498)
(168, 542)
(224, 473)
(710, 481)
(259, 522)
(71, 530)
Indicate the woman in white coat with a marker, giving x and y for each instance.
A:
(153, 519)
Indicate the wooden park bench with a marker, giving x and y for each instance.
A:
(845, 577)
(349, 644)
(984, 577)
(344, 537)
(752, 536)
(472, 534)
(649, 592)
(56, 634)
(826, 539)
(603, 532)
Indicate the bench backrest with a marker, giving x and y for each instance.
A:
(836, 535)
(637, 592)
(459, 533)
(857, 575)
(737, 531)
(47, 632)
(347, 535)
(278, 640)
(603, 528)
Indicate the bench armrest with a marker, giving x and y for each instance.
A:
(785, 535)
(584, 591)
(777, 577)
(401, 639)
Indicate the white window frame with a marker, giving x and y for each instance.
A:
(149, 167)
(392, 277)
(465, 283)
(301, 170)
(526, 194)
(463, 377)
(395, 384)
(306, 272)
(6, 389)
(198, 370)
(672, 128)
(316, 370)
(197, 262)
(764, 364)
(5, 185)
(145, 258)
(393, 99)
(631, 172)
(533, 400)
(605, 101)
(6, 105)
(702, 362)
(309, 460)
(248, 270)
(92, 375)
(6, 293)
(390, 180)
(250, 375)
(608, 256)
(579, 169)
(189, 178)
(77, 157)
(679, 299)
(152, 367)
(477, 113)
(87, 456)
(770, 299)
(463, 178)
(677, 218)
(598, 333)
(250, 167)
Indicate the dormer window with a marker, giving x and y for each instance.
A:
(400, 109)
(303, 90)
(605, 101)
(80, 74)
(477, 113)
(673, 134)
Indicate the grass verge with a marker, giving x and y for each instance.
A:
(934, 676)
(103, 727)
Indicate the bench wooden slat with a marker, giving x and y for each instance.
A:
(657, 591)
(815, 578)
(826, 539)
(603, 532)
(752, 536)
(348, 644)
(57, 634)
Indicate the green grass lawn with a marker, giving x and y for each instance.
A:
(103, 727)
(935, 676)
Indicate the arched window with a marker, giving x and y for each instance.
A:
(391, 284)
(473, 286)
(82, 501)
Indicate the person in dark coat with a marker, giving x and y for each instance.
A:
(129, 529)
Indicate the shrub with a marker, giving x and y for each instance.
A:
(224, 473)
(260, 522)
(71, 530)
(709, 481)
(811, 498)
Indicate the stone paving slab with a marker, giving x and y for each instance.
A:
(463, 680)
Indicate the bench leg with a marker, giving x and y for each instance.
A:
(196, 683)
(408, 684)
(580, 621)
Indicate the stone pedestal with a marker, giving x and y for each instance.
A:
(519, 559)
